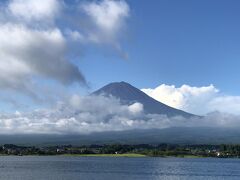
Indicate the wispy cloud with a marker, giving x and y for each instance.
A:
(108, 19)
(108, 16)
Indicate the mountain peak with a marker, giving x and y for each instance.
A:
(129, 94)
(118, 84)
(121, 90)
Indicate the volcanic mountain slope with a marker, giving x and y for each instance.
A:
(129, 94)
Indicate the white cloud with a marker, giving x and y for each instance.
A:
(108, 18)
(136, 108)
(108, 15)
(78, 115)
(198, 100)
(26, 52)
(33, 10)
(89, 114)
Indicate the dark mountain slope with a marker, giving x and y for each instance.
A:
(128, 94)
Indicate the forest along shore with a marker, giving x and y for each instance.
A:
(124, 150)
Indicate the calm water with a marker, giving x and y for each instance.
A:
(104, 168)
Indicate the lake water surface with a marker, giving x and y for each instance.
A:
(111, 168)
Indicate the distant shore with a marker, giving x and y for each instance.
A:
(129, 155)
(121, 150)
(107, 155)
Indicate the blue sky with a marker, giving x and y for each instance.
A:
(175, 42)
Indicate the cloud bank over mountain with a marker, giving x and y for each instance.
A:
(83, 115)
(198, 100)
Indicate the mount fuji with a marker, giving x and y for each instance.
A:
(128, 94)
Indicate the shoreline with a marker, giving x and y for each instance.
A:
(127, 155)
(106, 155)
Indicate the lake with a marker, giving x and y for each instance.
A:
(121, 168)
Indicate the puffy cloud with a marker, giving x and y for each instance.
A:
(136, 108)
(26, 52)
(32, 10)
(198, 100)
(33, 48)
